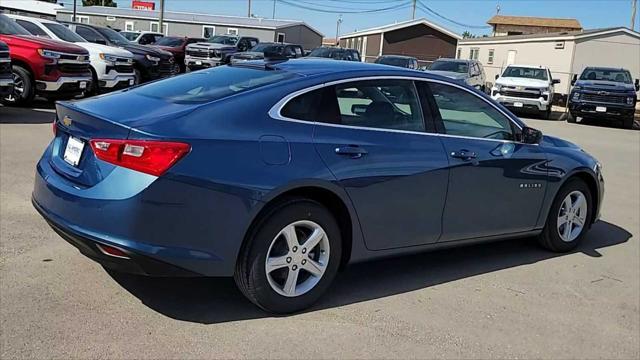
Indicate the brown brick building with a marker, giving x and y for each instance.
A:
(524, 25)
(419, 38)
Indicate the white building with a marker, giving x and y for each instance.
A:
(33, 8)
(565, 53)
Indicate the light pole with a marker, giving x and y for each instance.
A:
(338, 28)
(74, 11)
(161, 18)
(249, 10)
(273, 16)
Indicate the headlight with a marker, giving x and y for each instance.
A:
(544, 90)
(575, 96)
(153, 58)
(108, 58)
(49, 54)
(630, 100)
(498, 87)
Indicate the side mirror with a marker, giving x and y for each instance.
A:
(531, 136)
(574, 79)
(358, 109)
(637, 85)
(497, 76)
(555, 81)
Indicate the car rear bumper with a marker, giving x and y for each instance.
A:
(157, 220)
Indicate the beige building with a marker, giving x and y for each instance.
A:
(565, 53)
(523, 25)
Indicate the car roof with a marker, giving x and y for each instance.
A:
(527, 66)
(320, 66)
(456, 60)
(605, 68)
(397, 56)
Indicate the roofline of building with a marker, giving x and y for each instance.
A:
(536, 17)
(80, 11)
(547, 37)
(52, 12)
(400, 25)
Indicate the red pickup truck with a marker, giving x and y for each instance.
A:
(49, 68)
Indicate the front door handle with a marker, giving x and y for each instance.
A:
(464, 154)
(355, 152)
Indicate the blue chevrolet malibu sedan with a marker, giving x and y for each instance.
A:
(280, 173)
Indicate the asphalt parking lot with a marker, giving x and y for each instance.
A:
(502, 300)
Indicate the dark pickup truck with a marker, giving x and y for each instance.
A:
(217, 50)
(262, 50)
(604, 93)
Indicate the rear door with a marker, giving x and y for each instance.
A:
(496, 184)
(372, 136)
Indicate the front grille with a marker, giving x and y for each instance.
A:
(166, 67)
(611, 99)
(520, 94)
(124, 69)
(74, 68)
(203, 53)
(74, 57)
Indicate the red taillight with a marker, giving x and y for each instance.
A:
(55, 128)
(112, 251)
(151, 157)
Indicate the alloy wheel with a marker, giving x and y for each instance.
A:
(18, 88)
(297, 258)
(572, 216)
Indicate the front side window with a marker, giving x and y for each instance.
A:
(63, 32)
(88, 34)
(32, 28)
(383, 104)
(465, 114)
(10, 27)
(525, 72)
(224, 40)
(114, 36)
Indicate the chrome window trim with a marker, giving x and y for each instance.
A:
(275, 110)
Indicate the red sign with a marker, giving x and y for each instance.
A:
(143, 5)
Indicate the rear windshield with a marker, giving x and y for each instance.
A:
(212, 84)
(394, 61)
(267, 47)
(170, 41)
(622, 76)
(453, 66)
(326, 53)
(526, 72)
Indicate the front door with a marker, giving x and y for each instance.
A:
(375, 142)
(496, 184)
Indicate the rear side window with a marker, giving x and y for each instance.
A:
(303, 107)
(212, 84)
(383, 104)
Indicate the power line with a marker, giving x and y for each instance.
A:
(427, 9)
(346, 10)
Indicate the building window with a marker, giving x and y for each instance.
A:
(82, 19)
(154, 27)
(473, 54)
(490, 59)
(459, 56)
(208, 31)
(281, 37)
(232, 31)
(111, 18)
(129, 26)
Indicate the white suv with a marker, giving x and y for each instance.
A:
(525, 88)
(112, 67)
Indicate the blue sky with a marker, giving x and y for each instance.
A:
(590, 13)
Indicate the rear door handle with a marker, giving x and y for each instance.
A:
(355, 152)
(464, 154)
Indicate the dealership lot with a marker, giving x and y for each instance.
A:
(508, 299)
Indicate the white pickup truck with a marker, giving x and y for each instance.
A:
(112, 67)
(525, 88)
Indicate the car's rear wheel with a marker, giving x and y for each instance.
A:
(569, 217)
(291, 257)
(23, 89)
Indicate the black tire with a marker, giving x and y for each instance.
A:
(628, 123)
(138, 76)
(571, 118)
(28, 93)
(251, 275)
(550, 238)
(94, 89)
(546, 114)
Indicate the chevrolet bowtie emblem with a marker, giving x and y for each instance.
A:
(67, 121)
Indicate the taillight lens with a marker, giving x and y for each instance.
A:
(147, 156)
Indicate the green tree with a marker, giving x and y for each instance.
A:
(467, 35)
(99, 3)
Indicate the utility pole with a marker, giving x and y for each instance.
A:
(413, 16)
(74, 11)
(161, 18)
(274, 10)
(338, 29)
(249, 10)
(634, 6)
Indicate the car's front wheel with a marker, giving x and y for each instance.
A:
(291, 257)
(569, 217)
(23, 89)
